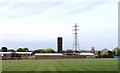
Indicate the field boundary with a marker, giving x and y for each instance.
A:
(60, 72)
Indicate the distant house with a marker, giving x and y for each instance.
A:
(15, 55)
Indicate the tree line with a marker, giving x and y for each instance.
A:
(98, 53)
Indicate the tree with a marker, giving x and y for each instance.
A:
(98, 54)
(19, 50)
(110, 53)
(104, 51)
(49, 50)
(37, 51)
(69, 51)
(93, 50)
(25, 49)
(116, 51)
(11, 50)
(43, 51)
(113, 52)
(22, 50)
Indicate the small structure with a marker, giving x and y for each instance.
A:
(48, 56)
(87, 54)
(15, 55)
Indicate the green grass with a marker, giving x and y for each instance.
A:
(61, 65)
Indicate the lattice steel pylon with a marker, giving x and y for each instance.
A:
(75, 38)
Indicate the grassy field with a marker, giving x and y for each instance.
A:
(61, 65)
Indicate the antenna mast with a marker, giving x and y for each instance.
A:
(75, 38)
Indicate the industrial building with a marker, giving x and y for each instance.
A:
(15, 55)
(48, 56)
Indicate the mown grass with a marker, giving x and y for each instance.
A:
(61, 65)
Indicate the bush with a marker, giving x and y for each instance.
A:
(108, 56)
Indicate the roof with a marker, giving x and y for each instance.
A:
(58, 54)
(84, 53)
(5, 52)
(23, 52)
(16, 52)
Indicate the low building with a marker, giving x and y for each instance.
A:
(6, 55)
(15, 55)
(87, 54)
(63, 56)
(48, 56)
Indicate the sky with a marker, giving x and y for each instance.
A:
(36, 24)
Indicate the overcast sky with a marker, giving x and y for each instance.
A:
(37, 23)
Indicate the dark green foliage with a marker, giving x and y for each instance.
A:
(116, 51)
(48, 50)
(10, 50)
(22, 50)
(69, 51)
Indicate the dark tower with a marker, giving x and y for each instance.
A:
(59, 45)
(4, 49)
